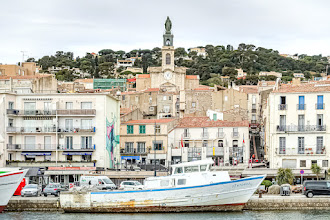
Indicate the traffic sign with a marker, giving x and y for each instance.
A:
(302, 172)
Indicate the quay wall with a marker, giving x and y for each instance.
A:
(17, 204)
(267, 203)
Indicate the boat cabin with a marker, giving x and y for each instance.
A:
(193, 173)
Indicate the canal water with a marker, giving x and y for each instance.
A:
(246, 215)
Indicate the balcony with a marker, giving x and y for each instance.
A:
(76, 147)
(301, 106)
(297, 151)
(254, 110)
(16, 112)
(301, 128)
(134, 151)
(76, 112)
(77, 130)
(204, 135)
(15, 163)
(186, 135)
(214, 151)
(235, 134)
(31, 147)
(221, 135)
(319, 106)
(51, 129)
(236, 151)
(282, 107)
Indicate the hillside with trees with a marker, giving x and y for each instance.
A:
(220, 61)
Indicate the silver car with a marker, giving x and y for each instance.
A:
(31, 190)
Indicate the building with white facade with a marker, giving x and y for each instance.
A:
(296, 120)
(48, 130)
(196, 138)
(271, 73)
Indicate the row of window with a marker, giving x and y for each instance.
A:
(31, 106)
(142, 129)
(84, 158)
(325, 163)
(30, 142)
(301, 120)
(301, 101)
(141, 146)
(301, 145)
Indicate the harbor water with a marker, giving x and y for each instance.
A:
(246, 215)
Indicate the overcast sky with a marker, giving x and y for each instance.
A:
(42, 27)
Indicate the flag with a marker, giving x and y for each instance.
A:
(243, 139)
(181, 141)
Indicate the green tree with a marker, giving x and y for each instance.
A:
(106, 68)
(316, 170)
(284, 175)
(180, 52)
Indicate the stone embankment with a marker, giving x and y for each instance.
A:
(292, 202)
(266, 203)
(19, 204)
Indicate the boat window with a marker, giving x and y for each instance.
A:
(178, 170)
(191, 169)
(203, 167)
(181, 181)
(164, 182)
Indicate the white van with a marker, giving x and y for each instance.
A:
(101, 182)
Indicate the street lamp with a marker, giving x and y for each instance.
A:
(155, 151)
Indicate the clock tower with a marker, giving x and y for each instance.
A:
(168, 49)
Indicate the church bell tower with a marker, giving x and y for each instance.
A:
(168, 48)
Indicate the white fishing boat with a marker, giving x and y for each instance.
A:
(9, 181)
(192, 187)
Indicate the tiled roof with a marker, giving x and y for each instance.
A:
(149, 121)
(202, 87)
(315, 86)
(249, 89)
(151, 90)
(84, 80)
(143, 76)
(202, 122)
(125, 110)
(26, 77)
(191, 76)
(266, 83)
(128, 93)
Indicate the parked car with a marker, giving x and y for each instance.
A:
(53, 189)
(131, 185)
(31, 190)
(100, 182)
(312, 187)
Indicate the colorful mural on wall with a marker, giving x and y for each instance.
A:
(112, 141)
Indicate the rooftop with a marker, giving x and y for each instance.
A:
(313, 86)
(248, 89)
(198, 122)
(266, 83)
(27, 77)
(192, 76)
(84, 80)
(149, 121)
(143, 76)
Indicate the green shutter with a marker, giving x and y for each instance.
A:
(142, 129)
(130, 129)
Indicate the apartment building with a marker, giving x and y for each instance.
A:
(46, 130)
(196, 138)
(26, 69)
(143, 140)
(296, 120)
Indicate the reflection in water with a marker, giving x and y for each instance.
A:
(246, 215)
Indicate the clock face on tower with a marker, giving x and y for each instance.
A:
(168, 75)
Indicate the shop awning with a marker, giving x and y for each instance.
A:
(36, 153)
(130, 157)
(77, 153)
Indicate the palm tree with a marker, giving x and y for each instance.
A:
(284, 175)
(316, 170)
